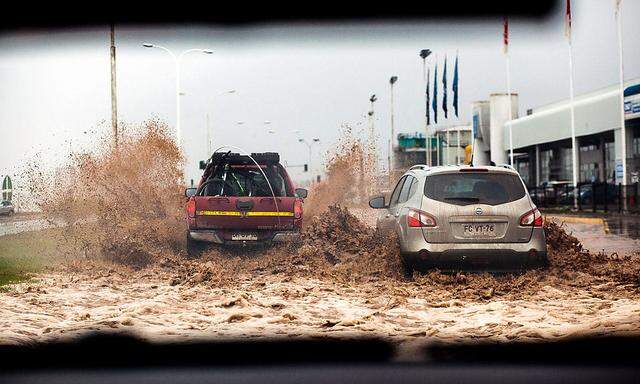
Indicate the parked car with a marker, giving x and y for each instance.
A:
(243, 200)
(7, 208)
(459, 217)
(587, 194)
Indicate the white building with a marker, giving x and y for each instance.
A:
(542, 138)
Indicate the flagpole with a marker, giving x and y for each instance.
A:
(435, 87)
(621, 74)
(574, 152)
(510, 108)
(573, 130)
(437, 147)
(426, 124)
(508, 64)
(448, 148)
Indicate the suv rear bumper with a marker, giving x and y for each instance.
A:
(216, 237)
(488, 256)
(471, 259)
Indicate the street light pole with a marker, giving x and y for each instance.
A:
(392, 81)
(177, 61)
(309, 146)
(114, 102)
(424, 54)
(372, 99)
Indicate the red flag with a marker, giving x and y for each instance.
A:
(505, 36)
(567, 21)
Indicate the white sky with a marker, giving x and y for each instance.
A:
(55, 85)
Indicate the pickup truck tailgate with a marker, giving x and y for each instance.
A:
(228, 212)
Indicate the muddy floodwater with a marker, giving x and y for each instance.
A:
(172, 300)
(121, 220)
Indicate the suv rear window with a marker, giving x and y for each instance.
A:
(474, 188)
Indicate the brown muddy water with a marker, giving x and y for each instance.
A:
(129, 273)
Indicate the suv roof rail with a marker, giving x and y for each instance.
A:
(423, 167)
(508, 166)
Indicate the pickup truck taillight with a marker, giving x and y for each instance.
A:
(297, 209)
(191, 207)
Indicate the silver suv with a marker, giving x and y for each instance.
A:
(464, 217)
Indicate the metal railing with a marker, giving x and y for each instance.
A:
(592, 196)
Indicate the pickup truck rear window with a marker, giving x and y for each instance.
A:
(245, 181)
(474, 188)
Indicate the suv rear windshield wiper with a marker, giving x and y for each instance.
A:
(470, 199)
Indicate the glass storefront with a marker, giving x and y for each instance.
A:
(609, 161)
(545, 164)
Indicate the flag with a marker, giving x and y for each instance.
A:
(505, 36)
(428, 98)
(444, 88)
(434, 103)
(455, 86)
(567, 21)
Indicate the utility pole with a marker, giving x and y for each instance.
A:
(114, 96)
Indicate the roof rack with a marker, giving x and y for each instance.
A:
(508, 166)
(238, 158)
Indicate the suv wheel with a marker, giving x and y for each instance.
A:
(543, 262)
(408, 266)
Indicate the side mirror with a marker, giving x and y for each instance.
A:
(377, 202)
(301, 193)
(190, 192)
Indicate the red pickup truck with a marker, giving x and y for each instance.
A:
(243, 200)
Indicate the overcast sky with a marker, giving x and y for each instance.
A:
(312, 78)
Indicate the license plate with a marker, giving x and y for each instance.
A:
(244, 237)
(479, 230)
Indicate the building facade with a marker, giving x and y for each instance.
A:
(542, 150)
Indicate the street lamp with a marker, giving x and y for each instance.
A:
(371, 112)
(309, 146)
(424, 54)
(392, 81)
(178, 60)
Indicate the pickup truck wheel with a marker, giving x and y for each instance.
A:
(194, 248)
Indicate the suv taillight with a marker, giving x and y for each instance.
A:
(532, 218)
(297, 209)
(191, 207)
(417, 218)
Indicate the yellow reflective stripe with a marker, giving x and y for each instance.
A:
(218, 213)
(250, 213)
(269, 213)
